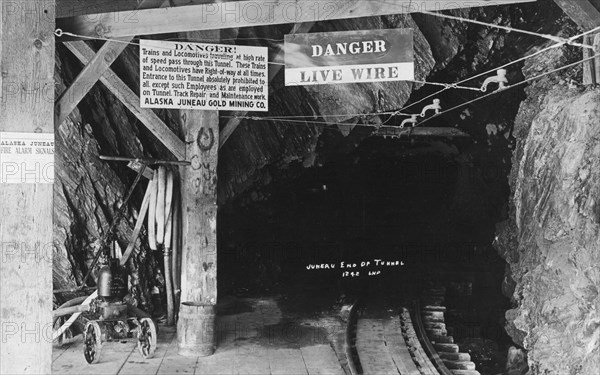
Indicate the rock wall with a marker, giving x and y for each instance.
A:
(552, 241)
(88, 192)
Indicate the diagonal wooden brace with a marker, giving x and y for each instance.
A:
(87, 78)
(148, 118)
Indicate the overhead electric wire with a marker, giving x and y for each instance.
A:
(503, 66)
(512, 86)
(401, 112)
(508, 28)
(296, 119)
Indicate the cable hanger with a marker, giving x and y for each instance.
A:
(504, 66)
(516, 85)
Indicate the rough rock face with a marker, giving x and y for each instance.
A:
(88, 192)
(552, 241)
(279, 143)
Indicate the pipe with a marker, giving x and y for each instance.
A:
(70, 310)
(160, 205)
(176, 247)
(168, 200)
(69, 303)
(73, 318)
(152, 212)
(167, 248)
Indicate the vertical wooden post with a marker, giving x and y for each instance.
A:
(199, 206)
(597, 59)
(589, 73)
(27, 105)
(199, 190)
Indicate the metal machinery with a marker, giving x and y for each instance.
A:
(109, 317)
(116, 320)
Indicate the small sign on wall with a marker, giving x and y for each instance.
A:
(26, 158)
(183, 75)
(349, 57)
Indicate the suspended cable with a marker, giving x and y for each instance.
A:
(437, 93)
(297, 119)
(508, 28)
(513, 86)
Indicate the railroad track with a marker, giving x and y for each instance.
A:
(383, 339)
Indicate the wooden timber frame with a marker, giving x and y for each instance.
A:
(27, 52)
(586, 14)
(27, 81)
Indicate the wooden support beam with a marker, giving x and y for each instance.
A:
(90, 74)
(200, 206)
(597, 59)
(87, 78)
(27, 84)
(199, 230)
(589, 72)
(73, 8)
(223, 15)
(233, 123)
(148, 118)
(585, 13)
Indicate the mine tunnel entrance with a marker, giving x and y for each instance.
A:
(385, 220)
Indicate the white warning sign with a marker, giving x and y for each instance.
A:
(26, 158)
(203, 76)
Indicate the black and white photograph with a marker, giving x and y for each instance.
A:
(300, 187)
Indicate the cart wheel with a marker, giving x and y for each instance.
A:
(92, 342)
(147, 337)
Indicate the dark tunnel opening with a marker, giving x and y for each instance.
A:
(392, 216)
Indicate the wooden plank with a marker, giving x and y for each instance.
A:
(90, 74)
(87, 78)
(27, 80)
(199, 201)
(199, 258)
(233, 123)
(148, 118)
(321, 359)
(373, 351)
(245, 13)
(72, 8)
(589, 73)
(597, 59)
(585, 13)
(398, 348)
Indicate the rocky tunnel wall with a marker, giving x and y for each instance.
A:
(552, 240)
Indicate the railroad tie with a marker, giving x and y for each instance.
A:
(434, 325)
(446, 348)
(455, 356)
(441, 339)
(434, 308)
(432, 312)
(459, 365)
(465, 372)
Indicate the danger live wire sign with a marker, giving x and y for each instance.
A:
(349, 57)
(183, 75)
